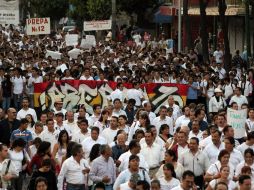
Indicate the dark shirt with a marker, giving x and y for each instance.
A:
(6, 88)
(6, 129)
(117, 151)
(50, 176)
(130, 115)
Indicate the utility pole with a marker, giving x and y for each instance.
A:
(113, 19)
(247, 28)
(179, 25)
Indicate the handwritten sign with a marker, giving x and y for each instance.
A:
(88, 42)
(71, 39)
(54, 54)
(237, 119)
(36, 26)
(97, 25)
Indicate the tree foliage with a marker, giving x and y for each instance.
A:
(99, 9)
(55, 9)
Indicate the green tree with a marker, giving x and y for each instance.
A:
(78, 11)
(99, 9)
(55, 9)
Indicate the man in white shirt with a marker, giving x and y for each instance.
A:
(83, 132)
(238, 98)
(218, 55)
(58, 106)
(86, 75)
(187, 182)
(213, 149)
(248, 144)
(136, 94)
(110, 133)
(26, 110)
(117, 111)
(50, 134)
(176, 109)
(59, 125)
(96, 114)
(150, 148)
(195, 161)
(184, 119)
(74, 170)
(134, 149)
(148, 108)
(195, 130)
(163, 119)
(7, 173)
(71, 122)
(117, 93)
(88, 142)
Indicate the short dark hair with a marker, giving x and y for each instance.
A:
(46, 162)
(188, 173)
(48, 120)
(99, 185)
(40, 179)
(231, 140)
(223, 153)
(95, 106)
(83, 120)
(95, 129)
(242, 178)
(133, 144)
(23, 121)
(195, 139)
(19, 143)
(220, 183)
(144, 183)
(226, 129)
(2, 146)
(76, 149)
(115, 100)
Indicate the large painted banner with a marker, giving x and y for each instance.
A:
(9, 12)
(88, 93)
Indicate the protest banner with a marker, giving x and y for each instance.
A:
(88, 42)
(36, 26)
(97, 25)
(54, 54)
(237, 119)
(9, 12)
(74, 53)
(71, 39)
(88, 93)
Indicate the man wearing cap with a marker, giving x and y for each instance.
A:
(217, 102)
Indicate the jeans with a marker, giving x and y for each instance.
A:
(17, 99)
(75, 187)
(108, 187)
(18, 182)
(6, 103)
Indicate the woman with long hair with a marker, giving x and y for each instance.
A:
(103, 121)
(60, 148)
(31, 122)
(171, 158)
(223, 177)
(169, 180)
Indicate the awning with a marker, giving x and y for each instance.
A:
(160, 18)
(213, 11)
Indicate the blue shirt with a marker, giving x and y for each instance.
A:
(192, 93)
(25, 135)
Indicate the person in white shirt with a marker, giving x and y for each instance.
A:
(8, 170)
(163, 119)
(83, 132)
(136, 94)
(50, 134)
(248, 144)
(195, 130)
(26, 110)
(71, 122)
(238, 98)
(187, 182)
(221, 71)
(58, 106)
(217, 102)
(218, 55)
(148, 108)
(88, 142)
(184, 119)
(150, 148)
(249, 124)
(35, 78)
(86, 75)
(74, 170)
(59, 125)
(117, 93)
(96, 115)
(134, 149)
(110, 133)
(176, 109)
(213, 149)
(246, 86)
(117, 111)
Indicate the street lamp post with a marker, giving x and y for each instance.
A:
(179, 25)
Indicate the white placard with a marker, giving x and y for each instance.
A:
(54, 54)
(237, 119)
(88, 42)
(97, 25)
(74, 53)
(71, 39)
(36, 26)
(9, 12)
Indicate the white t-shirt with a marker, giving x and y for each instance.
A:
(166, 185)
(218, 56)
(231, 185)
(22, 114)
(18, 84)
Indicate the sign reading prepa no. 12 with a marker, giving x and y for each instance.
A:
(35, 26)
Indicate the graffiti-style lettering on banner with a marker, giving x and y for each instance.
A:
(88, 93)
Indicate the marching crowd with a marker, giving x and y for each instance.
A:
(125, 145)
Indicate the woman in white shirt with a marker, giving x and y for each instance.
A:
(224, 177)
(103, 121)
(169, 180)
(20, 159)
